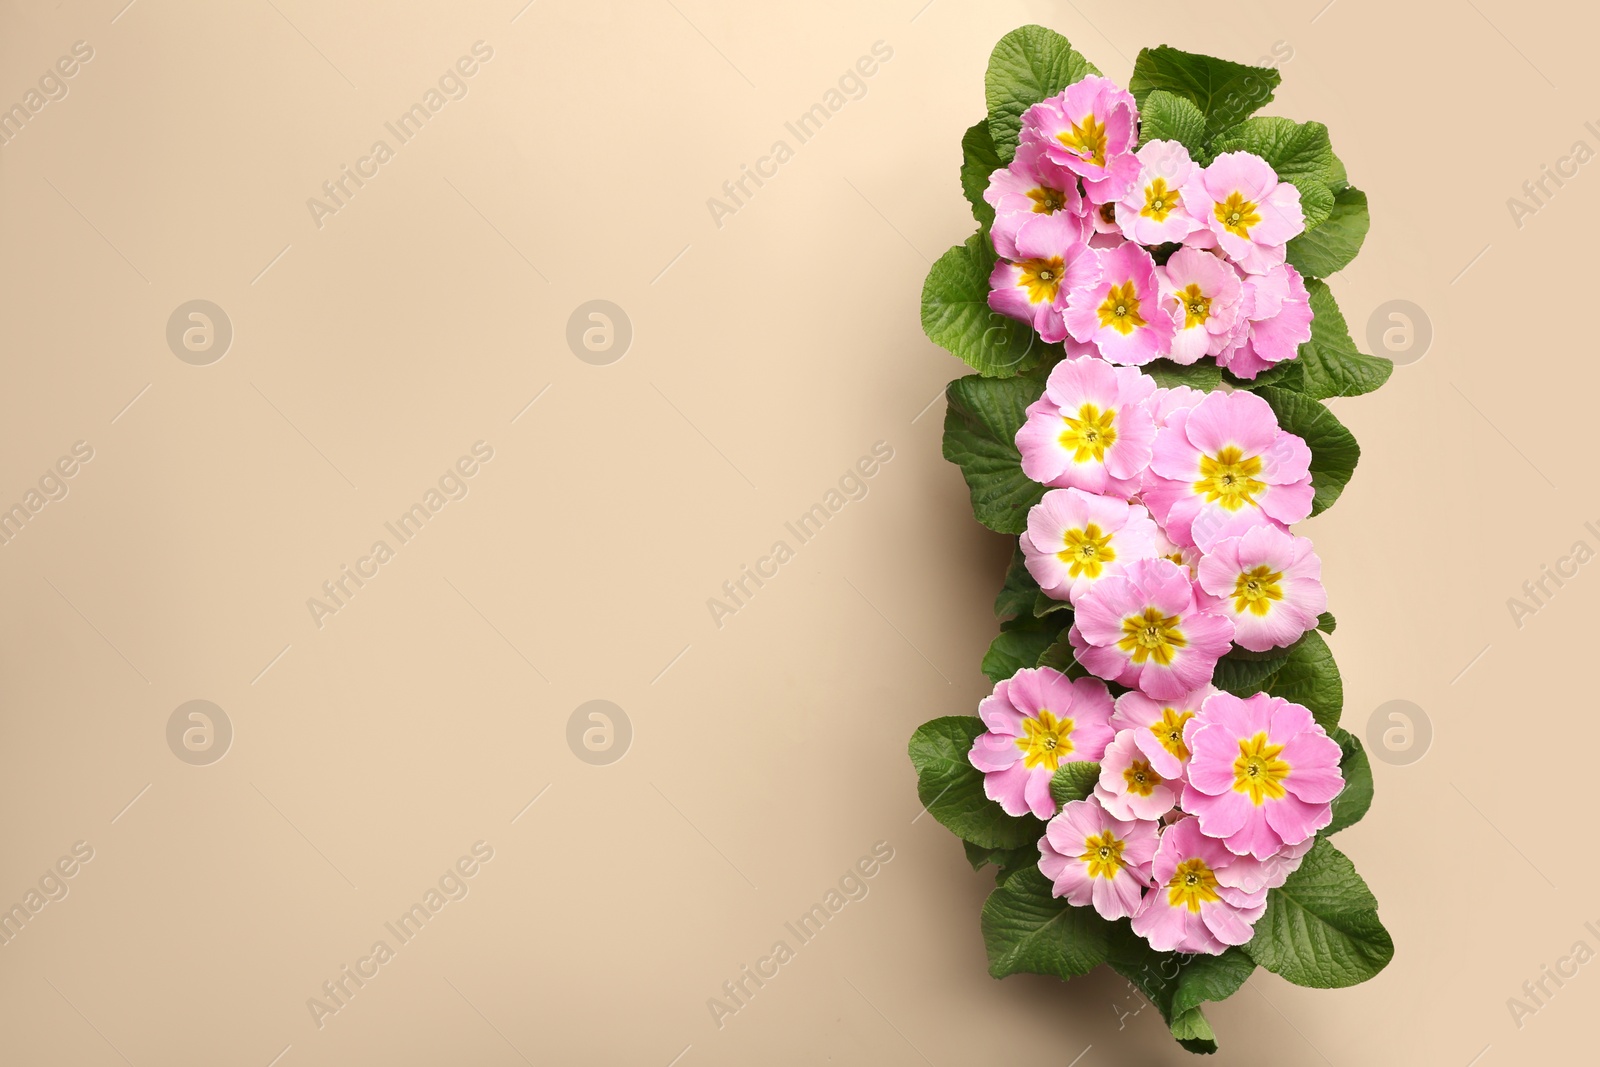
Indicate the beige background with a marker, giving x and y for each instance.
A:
(768, 355)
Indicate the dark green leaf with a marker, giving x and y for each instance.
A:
(1074, 781)
(980, 430)
(1166, 116)
(1017, 648)
(1243, 676)
(1351, 804)
(1029, 64)
(1321, 928)
(1226, 93)
(1330, 364)
(1309, 677)
(1007, 861)
(1332, 245)
(1016, 595)
(951, 788)
(1027, 931)
(956, 315)
(1204, 375)
(1326, 622)
(978, 161)
(1334, 452)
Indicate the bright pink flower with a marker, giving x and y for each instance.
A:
(1269, 582)
(1120, 311)
(1201, 293)
(1248, 211)
(1038, 719)
(1152, 212)
(1144, 629)
(1094, 858)
(1089, 128)
(1158, 726)
(1031, 185)
(1129, 786)
(1192, 907)
(1090, 429)
(1274, 321)
(1074, 539)
(1054, 260)
(1226, 462)
(1263, 774)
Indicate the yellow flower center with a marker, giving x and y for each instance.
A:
(1196, 306)
(1192, 885)
(1237, 214)
(1047, 201)
(1103, 854)
(1140, 778)
(1169, 731)
(1089, 435)
(1229, 479)
(1151, 636)
(1046, 741)
(1042, 279)
(1088, 140)
(1086, 552)
(1256, 589)
(1258, 772)
(1159, 201)
(1120, 310)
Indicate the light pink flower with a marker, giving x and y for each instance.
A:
(1201, 293)
(1269, 582)
(1167, 400)
(1095, 858)
(1158, 727)
(1074, 539)
(1226, 462)
(1263, 774)
(1031, 185)
(1144, 629)
(1129, 786)
(1120, 311)
(1152, 212)
(1253, 875)
(1248, 211)
(1054, 259)
(1192, 907)
(1038, 719)
(1089, 128)
(1274, 320)
(1090, 429)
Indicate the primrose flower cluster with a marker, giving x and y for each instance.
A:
(1165, 527)
(1078, 213)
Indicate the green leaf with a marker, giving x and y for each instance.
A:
(1166, 116)
(1334, 452)
(1243, 677)
(1321, 927)
(1074, 781)
(1204, 375)
(951, 788)
(1210, 978)
(1007, 861)
(1015, 649)
(1063, 657)
(1352, 803)
(1333, 244)
(978, 161)
(980, 430)
(1178, 985)
(956, 314)
(1309, 677)
(1330, 364)
(1027, 931)
(1299, 152)
(1226, 93)
(1016, 595)
(1045, 604)
(1326, 622)
(1029, 64)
